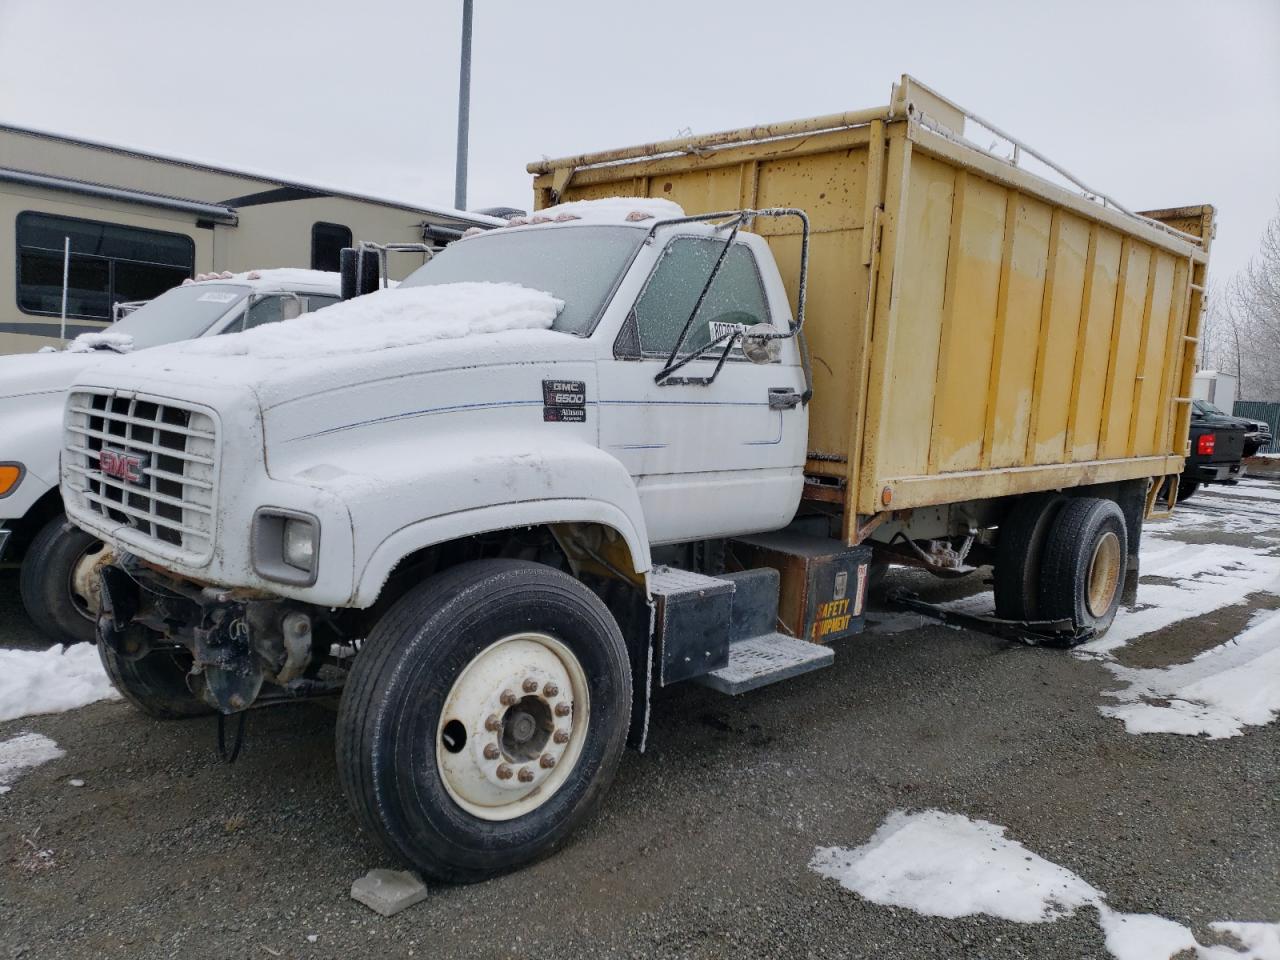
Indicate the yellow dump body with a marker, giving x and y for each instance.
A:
(976, 330)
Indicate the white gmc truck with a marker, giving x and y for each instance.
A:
(59, 563)
(475, 481)
(562, 465)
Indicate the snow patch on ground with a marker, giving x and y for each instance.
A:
(21, 753)
(50, 681)
(1209, 577)
(946, 865)
(1218, 694)
(390, 318)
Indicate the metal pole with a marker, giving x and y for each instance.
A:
(464, 110)
(66, 274)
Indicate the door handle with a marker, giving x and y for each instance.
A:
(783, 398)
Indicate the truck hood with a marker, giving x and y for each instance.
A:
(273, 382)
(379, 336)
(25, 374)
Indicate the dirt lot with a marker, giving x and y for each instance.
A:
(704, 844)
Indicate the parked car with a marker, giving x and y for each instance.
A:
(1257, 432)
(59, 563)
(1219, 442)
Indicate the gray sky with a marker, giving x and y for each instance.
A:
(1157, 102)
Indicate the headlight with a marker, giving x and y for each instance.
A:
(286, 545)
(300, 543)
(10, 477)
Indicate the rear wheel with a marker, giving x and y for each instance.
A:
(1018, 551)
(1083, 564)
(484, 718)
(1187, 488)
(59, 582)
(155, 684)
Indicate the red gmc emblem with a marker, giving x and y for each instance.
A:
(128, 467)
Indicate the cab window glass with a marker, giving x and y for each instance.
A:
(736, 296)
(272, 310)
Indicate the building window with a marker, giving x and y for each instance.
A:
(327, 241)
(110, 264)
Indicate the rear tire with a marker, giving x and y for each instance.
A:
(155, 684)
(424, 729)
(1018, 551)
(1187, 489)
(1083, 565)
(47, 582)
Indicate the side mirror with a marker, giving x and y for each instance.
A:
(359, 272)
(291, 307)
(760, 349)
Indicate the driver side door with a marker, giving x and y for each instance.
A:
(709, 460)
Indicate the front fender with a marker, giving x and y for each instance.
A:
(403, 499)
(32, 437)
(503, 516)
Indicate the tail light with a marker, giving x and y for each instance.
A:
(1206, 443)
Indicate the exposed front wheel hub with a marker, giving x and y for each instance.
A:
(512, 727)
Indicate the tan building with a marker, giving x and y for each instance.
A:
(107, 225)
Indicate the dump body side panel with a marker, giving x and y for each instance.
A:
(976, 331)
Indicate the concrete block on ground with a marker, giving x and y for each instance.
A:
(389, 891)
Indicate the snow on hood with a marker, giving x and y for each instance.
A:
(92, 342)
(22, 374)
(388, 319)
(608, 210)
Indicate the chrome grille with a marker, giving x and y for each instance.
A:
(172, 498)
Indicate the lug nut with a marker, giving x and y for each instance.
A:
(526, 775)
(504, 772)
(530, 685)
(491, 751)
(561, 736)
(546, 761)
(563, 709)
(492, 723)
(550, 690)
(508, 698)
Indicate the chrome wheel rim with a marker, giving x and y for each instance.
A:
(513, 726)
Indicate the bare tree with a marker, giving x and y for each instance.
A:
(1242, 325)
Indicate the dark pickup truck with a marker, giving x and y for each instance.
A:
(1217, 446)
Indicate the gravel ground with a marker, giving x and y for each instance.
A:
(702, 847)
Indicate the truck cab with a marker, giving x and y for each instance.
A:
(58, 561)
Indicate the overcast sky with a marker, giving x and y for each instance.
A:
(1157, 102)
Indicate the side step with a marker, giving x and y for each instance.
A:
(768, 658)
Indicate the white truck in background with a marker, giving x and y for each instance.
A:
(59, 562)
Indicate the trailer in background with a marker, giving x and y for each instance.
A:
(85, 226)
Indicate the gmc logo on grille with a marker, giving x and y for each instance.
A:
(128, 467)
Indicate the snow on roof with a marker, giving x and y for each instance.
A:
(389, 318)
(642, 211)
(277, 278)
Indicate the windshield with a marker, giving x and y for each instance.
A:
(179, 314)
(580, 265)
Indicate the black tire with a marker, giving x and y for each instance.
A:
(877, 570)
(45, 582)
(1018, 551)
(1083, 565)
(155, 684)
(1187, 489)
(392, 707)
